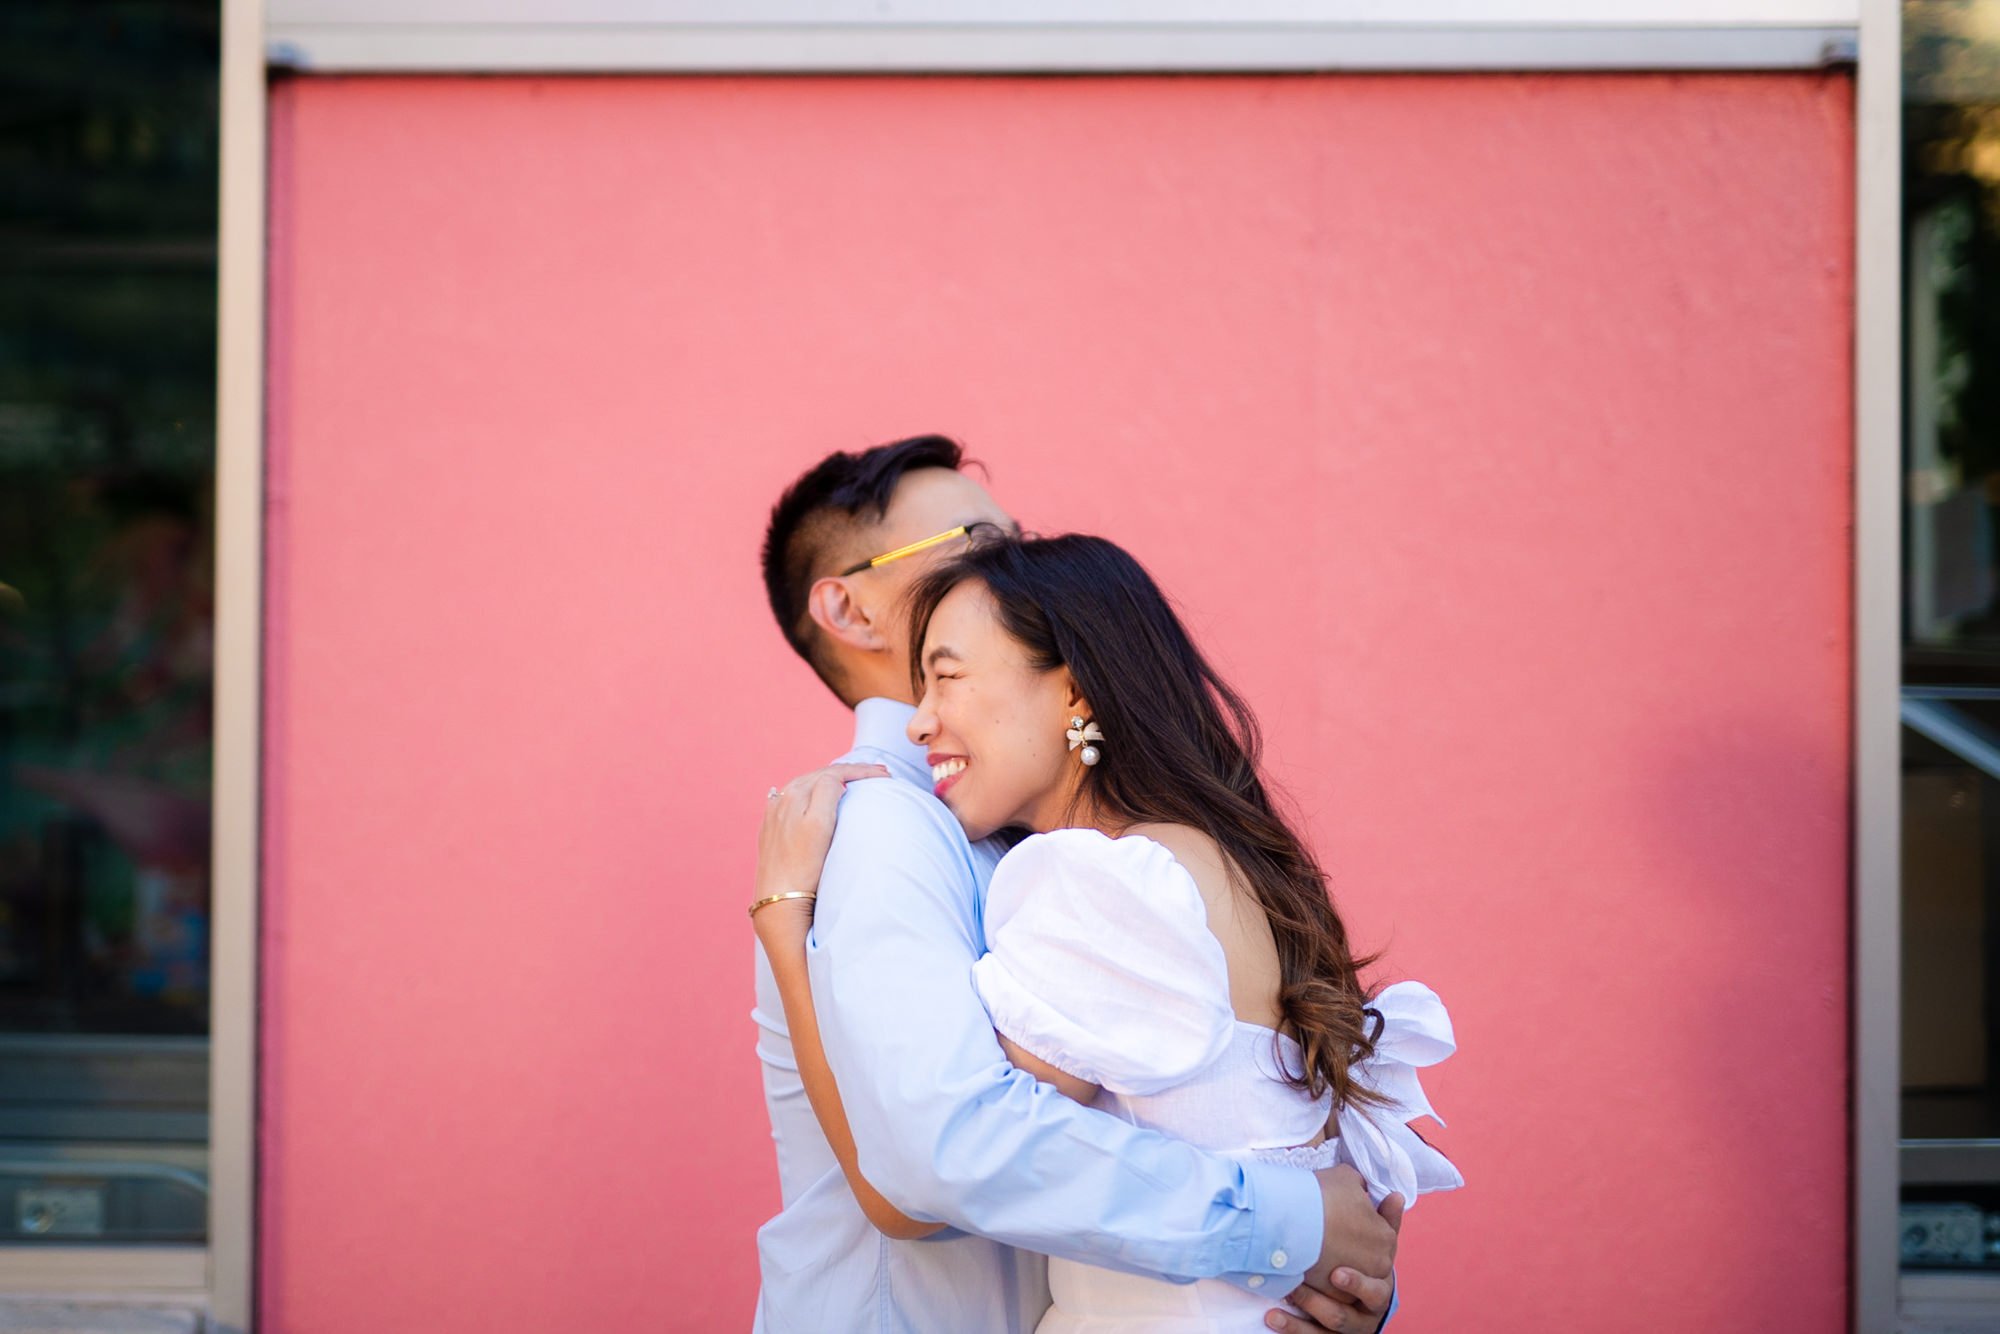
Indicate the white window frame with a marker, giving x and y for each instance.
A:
(1050, 36)
(239, 676)
(1876, 996)
(1034, 36)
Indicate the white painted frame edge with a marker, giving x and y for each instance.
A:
(1045, 48)
(239, 670)
(172, 1276)
(1876, 812)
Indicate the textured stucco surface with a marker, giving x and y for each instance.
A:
(1492, 430)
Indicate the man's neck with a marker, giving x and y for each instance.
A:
(882, 724)
(876, 684)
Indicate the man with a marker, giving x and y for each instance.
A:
(944, 1128)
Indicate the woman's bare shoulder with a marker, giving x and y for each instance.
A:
(1192, 848)
(1234, 918)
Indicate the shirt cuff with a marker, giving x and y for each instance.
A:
(1281, 1232)
(1395, 1295)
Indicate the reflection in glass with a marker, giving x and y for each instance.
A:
(108, 149)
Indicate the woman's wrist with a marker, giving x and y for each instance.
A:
(762, 902)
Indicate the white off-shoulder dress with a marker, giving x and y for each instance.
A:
(1100, 962)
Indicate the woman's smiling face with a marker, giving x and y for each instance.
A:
(993, 725)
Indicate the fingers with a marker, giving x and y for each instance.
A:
(844, 773)
(1357, 1309)
(1392, 1211)
(847, 773)
(826, 785)
(1309, 1295)
(804, 794)
(1321, 1312)
(1363, 1290)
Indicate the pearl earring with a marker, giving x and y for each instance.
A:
(1081, 732)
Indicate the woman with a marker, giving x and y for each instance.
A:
(1160, 942)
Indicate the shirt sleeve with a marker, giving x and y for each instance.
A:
(1100, 961)
(948, 1131)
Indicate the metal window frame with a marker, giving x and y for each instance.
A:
(239, 677)
(1046, 36)
(1876, 811)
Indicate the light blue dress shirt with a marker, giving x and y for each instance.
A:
(947, 1130)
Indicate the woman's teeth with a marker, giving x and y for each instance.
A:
(944, 769)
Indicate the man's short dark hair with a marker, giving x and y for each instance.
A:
(807, 522)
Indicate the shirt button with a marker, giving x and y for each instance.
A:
(1278, 1259)
(1256, 1280)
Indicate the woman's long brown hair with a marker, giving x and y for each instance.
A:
(1180, 747)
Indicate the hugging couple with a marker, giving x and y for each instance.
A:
(1076, 990)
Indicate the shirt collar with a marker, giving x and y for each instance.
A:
(883, 724)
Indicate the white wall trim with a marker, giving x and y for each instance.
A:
(1939, 1303)
(1090, 36)
(239, 671)
(173, 1275)
(1876, 1001)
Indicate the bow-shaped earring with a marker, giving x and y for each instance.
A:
(1081, 732)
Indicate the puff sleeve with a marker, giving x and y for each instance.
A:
(1100, 961)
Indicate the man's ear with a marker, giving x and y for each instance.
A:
(835, 610)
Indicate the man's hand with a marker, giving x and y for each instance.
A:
(1357, 1237)
(1357, 1308)
(1347, 1290)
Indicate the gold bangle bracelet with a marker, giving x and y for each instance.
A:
(780, 898)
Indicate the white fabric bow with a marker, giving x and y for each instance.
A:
(1088, 732)
(1378, 1141)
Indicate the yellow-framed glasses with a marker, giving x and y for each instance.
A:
(963, 530)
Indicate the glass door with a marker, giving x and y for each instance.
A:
(108, 158)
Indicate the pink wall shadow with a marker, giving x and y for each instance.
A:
(1493, 432)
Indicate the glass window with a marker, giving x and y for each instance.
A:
(108, 156)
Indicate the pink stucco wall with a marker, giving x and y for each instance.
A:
(1493, 431)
